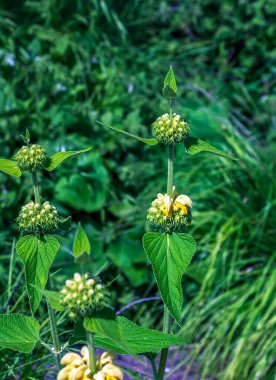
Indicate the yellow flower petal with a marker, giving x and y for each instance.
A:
(105, 358)
(112, 370)
(184, 209)
(184, 200)
(77, 373)
(99, 376)
(69, 358)
(65, 372)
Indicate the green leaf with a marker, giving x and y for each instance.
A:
(10, 167)
(18, 332)
(170, 87)
(65, 223)
(194, 146)
(137, 340)
(170, 255)
(129, 338)
(54, 299)
(59, 157)
(104, 324)
(37, 255)
(145, 141)
(81, 243)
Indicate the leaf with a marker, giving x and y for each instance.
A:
(59, 157)
(170, 255)
(37, 255)
(133, 339)
(145, 141)
(10, 167)
(81, 243)
(54, 299)
(18, 332)
(194, 146)
(138, 339)
(104, 323)
(170, 87)
(65, 223)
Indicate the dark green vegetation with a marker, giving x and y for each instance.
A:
(65, 65)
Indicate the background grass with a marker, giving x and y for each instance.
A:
(64, 65)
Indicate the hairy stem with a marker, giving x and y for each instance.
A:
(51, 312)
(166, 320)
(36, 188)
(92, 353)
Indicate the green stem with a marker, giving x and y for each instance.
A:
(170, 170)
(92, 353)
(52, 316)
(166, 321)
(154, 369)
(36, 188)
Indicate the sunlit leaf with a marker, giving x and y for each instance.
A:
(18, 332)
(10, 167)
(194, 146)
(59, 157)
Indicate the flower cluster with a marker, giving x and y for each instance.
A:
(82, 296)
(77, 367)
(38, 218)
(170, 213)
(170, 130)
(32, 157)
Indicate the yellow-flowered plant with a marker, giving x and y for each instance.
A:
(77, 367)
(170, 212)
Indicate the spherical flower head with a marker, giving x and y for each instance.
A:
(38, 218)
(82, 296)
(170, 213)
(170, 130)
(32, 157)
(77, 367)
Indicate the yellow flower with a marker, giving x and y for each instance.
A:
(170, 212)
(77, 367)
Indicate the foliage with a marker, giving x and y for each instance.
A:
(65, 65)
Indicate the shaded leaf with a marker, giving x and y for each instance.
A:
(18, 332)
(37, 255)
(194, 146)
(59, 157)
(10, 167)
(170, 255)
(145, 141)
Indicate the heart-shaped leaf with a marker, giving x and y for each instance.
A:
(194, 146)
(145, 141)
(170, 255)
(37, 255)
(18, 332)
(10, 167)
(59, 157)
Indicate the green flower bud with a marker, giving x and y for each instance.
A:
(82, 296)
(32, 157)
(38, 218)
(170, 130)
(170, 213)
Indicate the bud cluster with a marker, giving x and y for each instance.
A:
(170, 213)
(77, 367)
(38, 218)
(170, 130)
(82, 296)
(32, 157)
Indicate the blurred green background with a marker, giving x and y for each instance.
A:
(64, 65)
